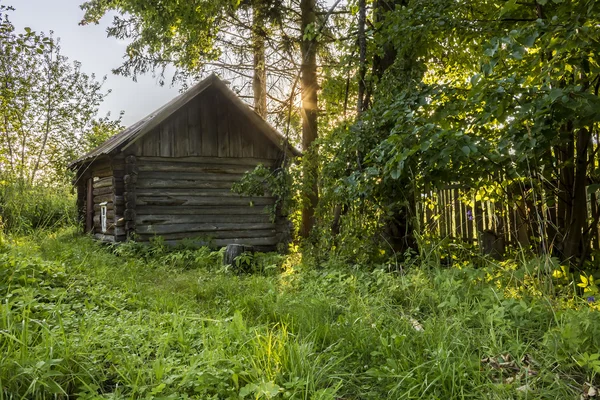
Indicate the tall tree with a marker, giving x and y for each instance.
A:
(484, 89)
(48, 109)
(232, 38)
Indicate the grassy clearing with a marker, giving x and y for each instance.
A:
(87, 321)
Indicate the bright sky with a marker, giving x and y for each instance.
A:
(97, 53)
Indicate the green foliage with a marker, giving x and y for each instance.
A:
(26, 208)
(48, 107)
(478, 92)
(263, 181)
(83, 319)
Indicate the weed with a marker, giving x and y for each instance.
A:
(80, 319)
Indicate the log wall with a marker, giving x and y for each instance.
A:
(190, 197)
(107, 186)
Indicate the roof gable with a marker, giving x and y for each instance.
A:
(133, 133)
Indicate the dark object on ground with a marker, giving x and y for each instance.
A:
(232, 251)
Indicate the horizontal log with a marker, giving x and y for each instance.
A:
(104, 237)
(201, 227)
(109, 198)
(213, 235)
(268, 241)
(110, 206)
(102, 173)
(110, 229)
(130, 159)
(190, 219)
(202, 201)
(209, 160)
(167, 167)
(104, 190)
(103, 182)
(186, 192)
(104, 198)
(182, 184)
(192, 176)
(196, 210)
(109, 215)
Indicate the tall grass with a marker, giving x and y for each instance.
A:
(25, 208)
(84, 320)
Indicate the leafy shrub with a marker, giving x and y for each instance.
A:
(25, 208)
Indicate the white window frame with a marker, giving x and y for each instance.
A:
(103, 217)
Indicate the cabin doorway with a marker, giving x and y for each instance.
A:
(89, 206)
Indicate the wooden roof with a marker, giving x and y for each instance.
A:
(134, 132)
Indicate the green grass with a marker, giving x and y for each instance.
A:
(79, 320)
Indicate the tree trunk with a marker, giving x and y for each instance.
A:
(308, 83)
(259, 81)
(362, 55)
(573, 244)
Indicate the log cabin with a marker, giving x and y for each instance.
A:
(170, 174)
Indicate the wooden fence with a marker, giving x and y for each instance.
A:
(458, 213)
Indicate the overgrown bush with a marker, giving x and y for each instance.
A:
(25, 208)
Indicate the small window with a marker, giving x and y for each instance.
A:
(103, 216)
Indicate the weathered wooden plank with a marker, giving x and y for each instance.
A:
(209, 160)
(200, 227)
(104, 237)
(111, 221)
(202, 201)
(110, 230)
(103, 182)
(191, 219)
(235, 136)
(102, 173)
(223, 134)
(166, 139)
(181, 142)
(270, 241)
(169, 168)
(103, 198)
(187, 192)
(108, 198)
(109, 214)
(110, 206)
(214, 235)
(181, 184)
(210, 140)
(194, 130)
(104, 190)
(203, 176)
(196, 210)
